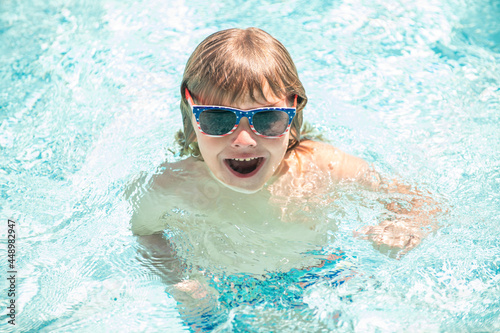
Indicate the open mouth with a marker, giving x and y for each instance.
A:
(244, 167)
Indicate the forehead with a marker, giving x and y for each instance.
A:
(266, 97)
(262, 96)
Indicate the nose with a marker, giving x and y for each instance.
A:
(243, 136)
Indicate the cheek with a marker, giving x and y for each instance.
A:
(203, 140)
(209, 147)
(195, 128)
(285, 140)
(280, 146)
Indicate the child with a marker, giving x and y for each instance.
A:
(248, 196)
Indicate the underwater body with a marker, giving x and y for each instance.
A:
(89, 102)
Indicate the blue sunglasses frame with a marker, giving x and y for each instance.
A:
(198, 109)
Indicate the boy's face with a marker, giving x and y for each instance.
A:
(244, 160)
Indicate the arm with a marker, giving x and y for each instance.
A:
(411, 217)
(152, 200)
(158, 256)
(410, 214)
(154, 251)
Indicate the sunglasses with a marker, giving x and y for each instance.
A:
(269, 122)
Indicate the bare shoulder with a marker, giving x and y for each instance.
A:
(152, 195)
(168, 175)
(171, 173)
(328, 158)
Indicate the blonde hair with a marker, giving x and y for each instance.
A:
(232, 64)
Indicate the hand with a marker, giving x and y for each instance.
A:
(393, 237)
(193, 288)
(197, 288)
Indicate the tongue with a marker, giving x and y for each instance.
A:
(243, 167)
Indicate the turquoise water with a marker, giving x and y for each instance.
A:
(89, 99)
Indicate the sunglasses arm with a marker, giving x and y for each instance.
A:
(189, 98)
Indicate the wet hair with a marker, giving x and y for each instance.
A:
(232, 64)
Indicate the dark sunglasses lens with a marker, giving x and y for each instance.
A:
(217, 122)
(270, 123)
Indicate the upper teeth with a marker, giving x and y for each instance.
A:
(245, 159)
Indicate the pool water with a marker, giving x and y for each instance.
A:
(89, 100)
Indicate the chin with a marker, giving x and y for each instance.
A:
(241, 188)
(247, 185)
